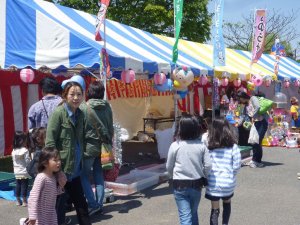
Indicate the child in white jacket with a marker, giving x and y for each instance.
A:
(21, 159)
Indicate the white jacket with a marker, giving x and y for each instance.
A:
(21, 159)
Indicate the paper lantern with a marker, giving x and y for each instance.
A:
(128, 76)
(27, 75)
(237, 82)
(203, 80)
(297, 83)
(286, 83)
(224, 81)
(257, 80)
(160, 78)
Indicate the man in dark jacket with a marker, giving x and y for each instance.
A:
(98, 128)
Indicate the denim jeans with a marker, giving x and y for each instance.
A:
(88, 164)
(261, 127)
(22, 187)
(187, 201)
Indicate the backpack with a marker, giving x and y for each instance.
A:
(32, 166)
(264, 105)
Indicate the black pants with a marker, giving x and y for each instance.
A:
(74, 190)
(21, 188)
(261, 127)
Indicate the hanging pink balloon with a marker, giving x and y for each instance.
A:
(297, 83)
(160, 78)
(237, 82)
(203, 80)
(286, 83)
(257, 80)
(128, 76)
(224, 81)
(27, 75)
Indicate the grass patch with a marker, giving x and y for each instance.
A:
(6, 164)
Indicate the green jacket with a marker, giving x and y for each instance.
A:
(100, 110)
(62, 134)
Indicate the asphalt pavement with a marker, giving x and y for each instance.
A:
(264, 196)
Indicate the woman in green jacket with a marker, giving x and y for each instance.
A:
(65, 132)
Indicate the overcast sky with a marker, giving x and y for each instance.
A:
(234, 9)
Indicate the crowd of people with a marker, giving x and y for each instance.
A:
(60, 150)
(64, 140)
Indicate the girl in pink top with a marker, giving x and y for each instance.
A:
(47, 184)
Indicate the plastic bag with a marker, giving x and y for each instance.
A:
(264, 105)
(253, 136)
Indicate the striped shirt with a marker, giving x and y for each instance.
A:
(42, 199)
(222, 178)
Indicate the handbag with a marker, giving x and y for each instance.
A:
(106, 150)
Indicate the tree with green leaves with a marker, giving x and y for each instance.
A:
(154, 16)
(239, 35)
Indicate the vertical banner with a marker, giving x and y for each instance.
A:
(219, 47)
(279, 51)
(178, 8)
(100, 18)
(259, 33)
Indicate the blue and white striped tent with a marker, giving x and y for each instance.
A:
(36, 33)
(288, 68)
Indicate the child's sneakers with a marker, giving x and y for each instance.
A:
(19, 202)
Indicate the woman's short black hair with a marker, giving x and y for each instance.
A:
(221, 134)
(20, 139)
(46, 154)
(189, 128)
(96, 90)
(50, 86)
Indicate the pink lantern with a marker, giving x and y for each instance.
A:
(128, 76)
(224, 81)
(257, 80)
(160, 78)
(237, 82)
(203, 80)
(27, 75)
(286, 83)
(297, 83)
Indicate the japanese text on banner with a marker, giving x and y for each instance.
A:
(259, 34)
(219, 48)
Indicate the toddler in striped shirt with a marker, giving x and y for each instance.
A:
(226, 161)
(47, 185)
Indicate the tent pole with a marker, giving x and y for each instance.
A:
(104, 71)
(213, 115)
(175, 100)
